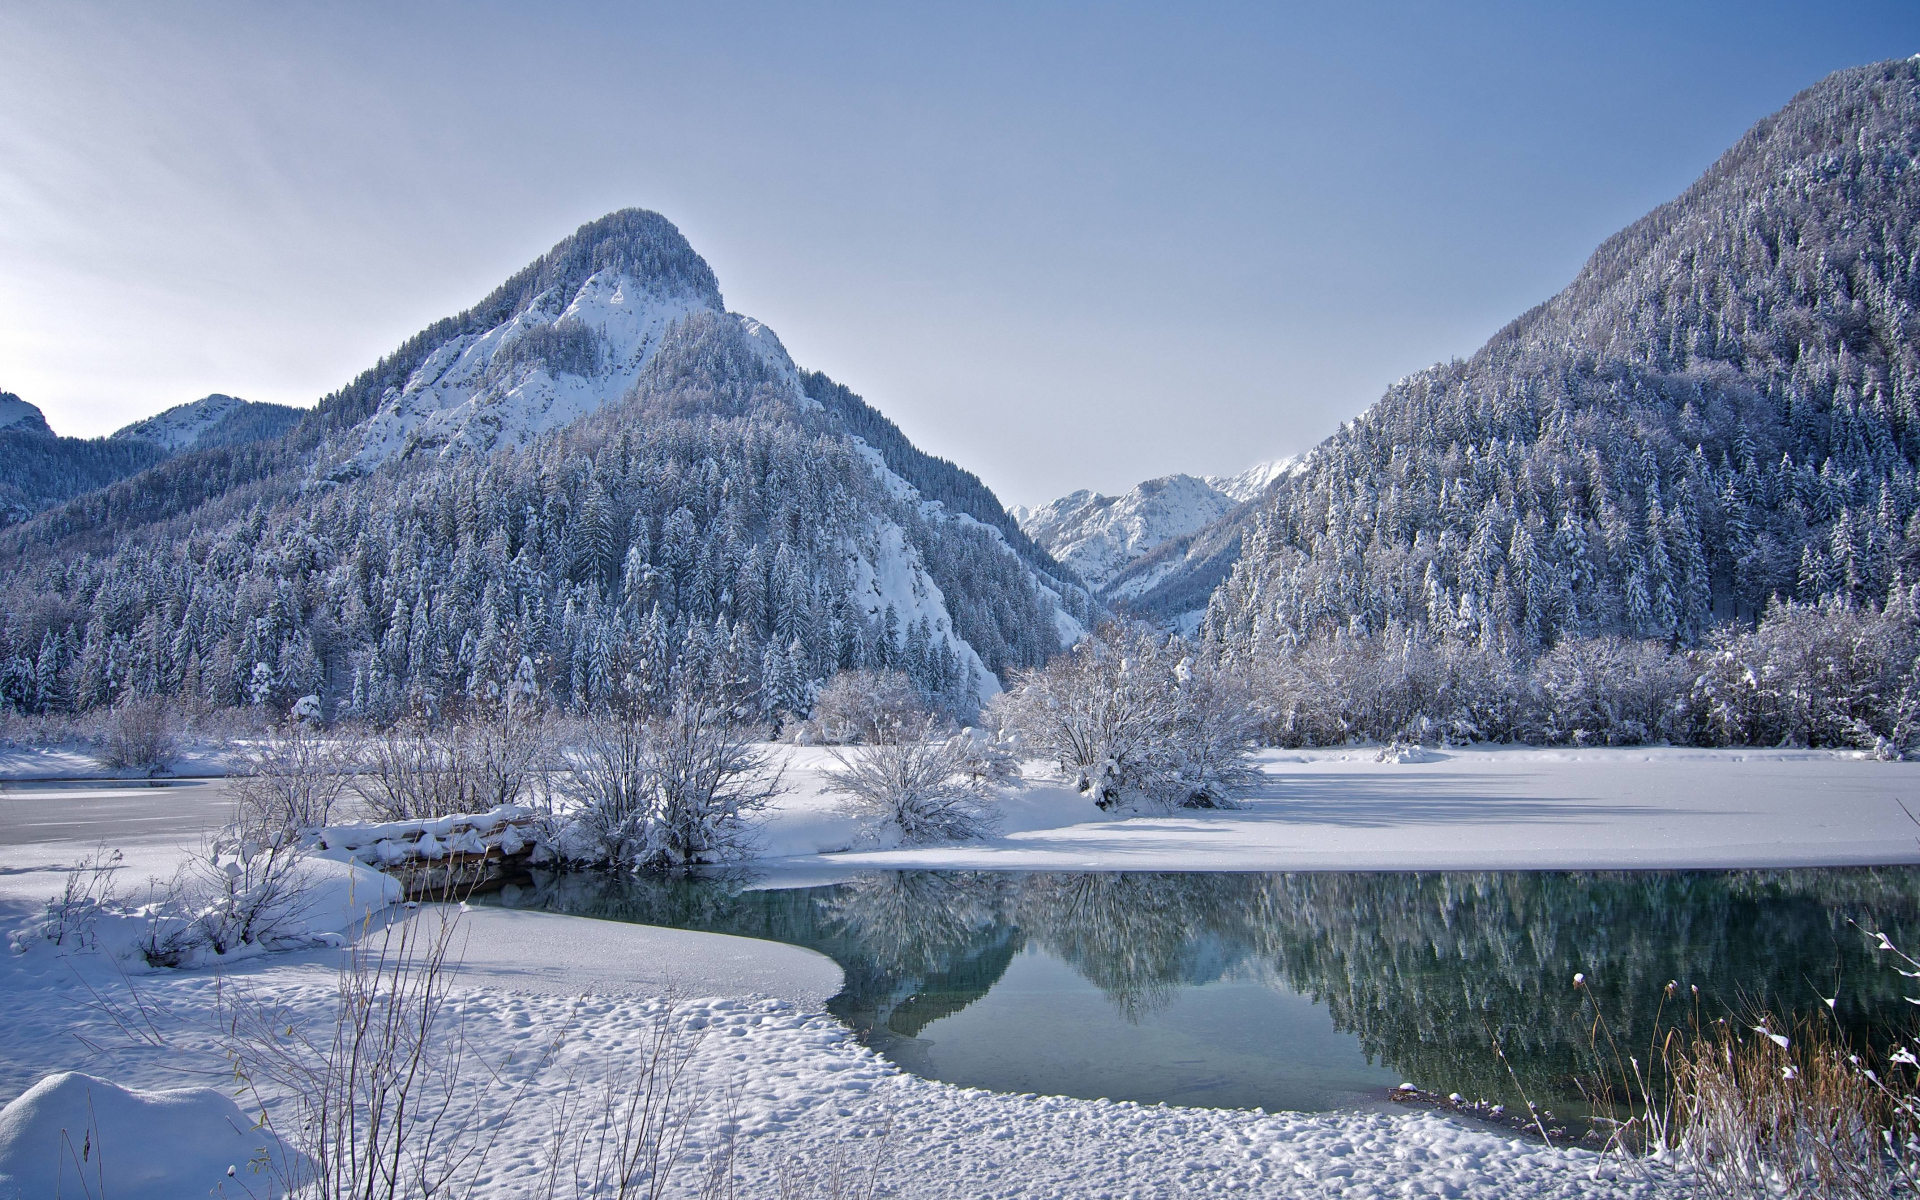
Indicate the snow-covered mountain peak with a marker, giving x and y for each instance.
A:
(182, 425)
(574, 331)
(1099, 535)
(535, 371)
(1106, 538)
(1253, 481)
(18, 416)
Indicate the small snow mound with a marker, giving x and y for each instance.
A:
(1404, 752)
(77, 1135)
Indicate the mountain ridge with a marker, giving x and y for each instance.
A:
(596, 483)
(1722, 408)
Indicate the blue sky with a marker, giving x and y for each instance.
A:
(1064, 245)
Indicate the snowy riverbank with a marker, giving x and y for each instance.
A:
(804, 1090)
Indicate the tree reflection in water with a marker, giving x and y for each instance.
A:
(1423, 969)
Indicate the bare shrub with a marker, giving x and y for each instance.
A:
(842, 1176)
(404, 775)
(69, 918)
(416, 771)
(1132, 716)
(377, 1094)
(666, 792)
(867, 706)
(709, 779)
(641, 1118)
(288, 782)
(137, 736)
(501, 759)
(610, 786)
(923, 787)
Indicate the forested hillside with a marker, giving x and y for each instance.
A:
(1723, 409)
(40, 470)
(596, 488)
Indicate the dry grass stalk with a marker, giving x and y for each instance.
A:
(1753, 1113)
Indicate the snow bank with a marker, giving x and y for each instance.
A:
(801, 1090)
(505, 829)
(319, 899)
(542, 952)
(75, 1135)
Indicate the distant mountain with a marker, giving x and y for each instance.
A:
(40, 470)
(1104, 537)
(1098, 536)
(214, 420)
(596, 485)
(1723, 408)
(17, 416)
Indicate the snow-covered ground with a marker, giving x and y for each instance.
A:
(74, 760)
(805, 1089)
(1497, 807)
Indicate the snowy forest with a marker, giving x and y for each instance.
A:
(1718, 419)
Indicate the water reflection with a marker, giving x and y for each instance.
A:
(1419, 972)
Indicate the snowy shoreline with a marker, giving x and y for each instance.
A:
(806, 1087)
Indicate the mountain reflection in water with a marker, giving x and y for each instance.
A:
(1292, 990)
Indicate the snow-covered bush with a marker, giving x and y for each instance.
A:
(609, 784)
(867, 706)
(230, 896)
(1132, 716)
(288, 782)
(709, 779)
(1831, 674)
(920, 787)
(1394, 686)
(1608, 691)
(665, 792)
